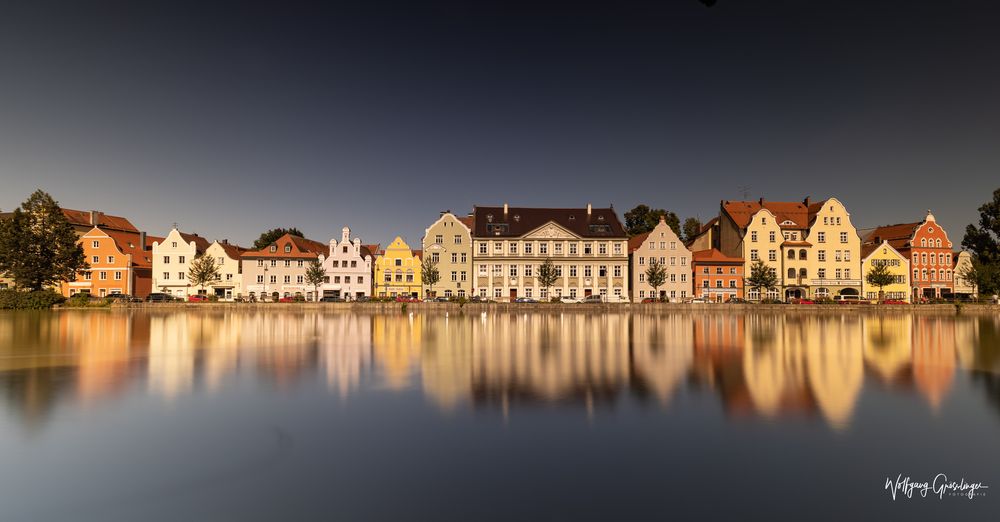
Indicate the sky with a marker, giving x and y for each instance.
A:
(230, 118)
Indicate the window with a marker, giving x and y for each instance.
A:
(588, 271)
(732, 283)
(602, 271)
(588, 249)
(617, 271)
(409, 276)
(704, 270)
(273, 248)
(704, 283)
(558, 248)
(288, 248)
(754, 256)
(837, 272)
(497, 292)
(543, 248)
(843, 237)
(618, 249)
(602, 249)
(772, 255)
(791, 254)
(732, 270)
(454, 257)
(482, 248)
(181, 275)
(288, 263)
(527, 271)
(821, 255)
(111, 260)
(299, 279)
(95, 244)
(454, 275)
(528, 248)
(301, 263)
(673, 261)
(465, 276)
(273, 279)
(180, 259)
(513, 247)
(821, 273)
(95, 260)
(388, 276)
(166, 260)
(821, 237)
(498, 247)
(923, 241)
(642, 277)
(836, 256)
(287, 279)
(482, 270)
(166, 276)
(398, 262)
(274, 262)
(847, 255)
(771, 238)
(103, 276)
(718, 283)
(572, 249)
(260, 279)
(513, 270)
(572, 270)
(118, 276)
(458, 240)
(753, 236)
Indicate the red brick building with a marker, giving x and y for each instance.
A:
(929, 250)
(717, 277)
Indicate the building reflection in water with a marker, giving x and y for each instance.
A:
(769, 366)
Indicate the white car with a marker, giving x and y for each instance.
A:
(565, 299)
(697, 300)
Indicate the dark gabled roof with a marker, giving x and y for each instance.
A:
(301, 248)
(797, 212)
(200, 244)
(81, 218)
(898, 235)
(635, 242)
(370, 250)
(602, 222)
(233, 251)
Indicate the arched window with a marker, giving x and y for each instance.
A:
(923, 258)
(916, 274)
(933, 278)
(937, 243)
(409, 275)
(791, 254)
(388, 276)
(399, 276)
(941, 259)
(941, 275)
(802, 273)
(948, 274)
(923, 241)
(923, 274)
(791, 273)
(802, 254)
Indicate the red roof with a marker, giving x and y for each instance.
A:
(370, 250)
(418, 253)
(200, 243)
(128, 243)
(233, 251)
(468, 221)
(714, 256)
(298, 248)
(82, 218)
(898, 235)
(796, 212)
(635, 242)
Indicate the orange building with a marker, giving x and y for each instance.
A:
(120, 262)
(717, 277)
(928, 248)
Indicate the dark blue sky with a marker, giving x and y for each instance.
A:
(232, 118)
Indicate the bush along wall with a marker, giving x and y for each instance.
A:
(35, 300)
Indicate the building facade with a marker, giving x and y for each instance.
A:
(229, 286)
(663, 245)
(717, 277)
(172, 259)
(813, 248)
(348, 266)
(448, 244)
(397, 271)
(588, 247)
(929, 251)
(279, 269)
(120, 262)
(963, 288)
(885, 254)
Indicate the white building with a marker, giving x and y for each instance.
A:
(172, 259)
(227, 259)
(348, 267)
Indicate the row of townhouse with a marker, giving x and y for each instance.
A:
(813, 248)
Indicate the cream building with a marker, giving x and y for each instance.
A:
(813, 248)
(171, 261)
(279, 269)
(448, 244)
(348, 266)
(963, 288)
(227, 258)
(588, 247)
(663, 245)
(884, 254)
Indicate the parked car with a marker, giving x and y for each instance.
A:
(651, 300)
(801, 301)
(848, 299)
(736, 300)
(893, 302)
(478, 299)
(593, 299)
(159, 297)
(362, 299)
(697, 300)
(118, 296)
(440, 299)
(525, 300)
(331, 299)
(197, 298)
(292, 299)
(565, 299)
(406, 299)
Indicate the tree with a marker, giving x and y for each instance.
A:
(272, 235)
(547, 275)
(656, 275)
(315, 275)
(984, 243)
(642, 219)
(880, 277)
(692, 227)
(38, 246)
(985, 277)
(203, 270)
(429, 273)
(762, 277)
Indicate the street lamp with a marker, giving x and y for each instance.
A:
(264, 297)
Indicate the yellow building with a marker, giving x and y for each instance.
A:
(874, 255)
(397, 271)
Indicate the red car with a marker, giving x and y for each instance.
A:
(197, 298)
(803, 301)
(290, 299)
(406, 299)
(650, 300)
(893, 302)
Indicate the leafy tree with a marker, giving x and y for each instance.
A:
(642, 219)
(315, 275)
(692, 226)
(547, 275)
(656, 275)
(203, 270)
(429, 273)
(880, 277)
(272, 235)
(984, 243)
(985, 277)
(38, 246)
(762, 277)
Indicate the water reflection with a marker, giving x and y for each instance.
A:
(767, 366)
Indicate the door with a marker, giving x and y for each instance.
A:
(513, 294)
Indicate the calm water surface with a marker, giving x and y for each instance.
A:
(272, 415)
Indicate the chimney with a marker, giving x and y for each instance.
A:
(225, 241)
(505, 212)
(142, 241)
(806, 201)
(588, 209)
(761, 201)
(93, 218)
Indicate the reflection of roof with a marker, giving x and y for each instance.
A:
(300, 247)
(713, 255)
(795, 212)
(635, 242)
(601, 222)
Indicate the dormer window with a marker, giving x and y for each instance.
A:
(274, 248)
(517, 217)
(288, 248)
(489, 218)
(572, 217)
(600, 218)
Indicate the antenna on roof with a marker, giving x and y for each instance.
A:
(745, 191)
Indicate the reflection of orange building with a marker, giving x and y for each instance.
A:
(120, 262)
(934, 357)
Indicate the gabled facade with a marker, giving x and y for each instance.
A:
(227, 259)
(929, 251)
(717, 277)
(397, 271)
(963, 288)
(279, 269)
(348, 265)
(448, 244)
(899, 266)
(588, 247)
(120, 262)
(813, 248)
(661, 244)
(172, 259)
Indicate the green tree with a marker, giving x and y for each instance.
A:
(762, 277)
(38, 246)
(642, 219)
(880, 277)
(315, 275)
(984, 243)
(429, 274)
(656, 275)
(203, 270)
(272, 235)
(692, 227)
(985, 277)
(547, 275)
